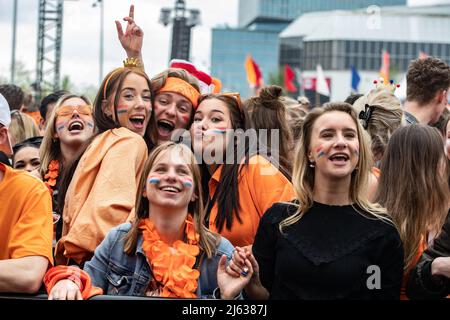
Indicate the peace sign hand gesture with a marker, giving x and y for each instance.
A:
(133, 37)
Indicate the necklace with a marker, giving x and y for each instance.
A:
(172, 267)
(51, 175)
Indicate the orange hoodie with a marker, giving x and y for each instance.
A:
(102, 192)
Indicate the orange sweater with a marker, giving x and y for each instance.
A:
(102, 192)
(260, 185)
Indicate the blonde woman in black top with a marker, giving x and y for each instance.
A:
(331, 243)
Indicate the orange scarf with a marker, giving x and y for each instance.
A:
(173, 270)
(51, 175)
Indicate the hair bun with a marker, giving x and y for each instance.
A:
(269, 95)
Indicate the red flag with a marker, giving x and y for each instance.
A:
(384, 71)
(289, 76)
(254, 76)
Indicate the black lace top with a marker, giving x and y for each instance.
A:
(332, 252)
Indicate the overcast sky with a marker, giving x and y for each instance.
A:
(81, 33)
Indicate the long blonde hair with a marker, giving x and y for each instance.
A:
(208, 240)
(303, 174)
(50, 147)
(22, 127)
(410, 187)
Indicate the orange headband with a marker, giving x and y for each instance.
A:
(182, 87)
(107, 81)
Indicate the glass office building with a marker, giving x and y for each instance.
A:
(260, 23)
(251, 11)
(338, 40)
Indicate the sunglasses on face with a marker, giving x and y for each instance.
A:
(67, 111)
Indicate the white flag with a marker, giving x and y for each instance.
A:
(400, 92)
(321, 83)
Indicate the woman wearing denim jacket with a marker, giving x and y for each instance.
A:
(168, 253)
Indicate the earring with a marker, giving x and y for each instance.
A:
(312, 165)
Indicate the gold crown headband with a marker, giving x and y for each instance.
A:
(127, 63)
(390, 86)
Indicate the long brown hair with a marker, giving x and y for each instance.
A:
(410, 188)
(303, 174)
(227, 191)
(208, 240)
(267, 111)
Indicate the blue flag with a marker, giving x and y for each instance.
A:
(355, 79)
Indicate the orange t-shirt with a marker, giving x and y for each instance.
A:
(260, 185)
(25, 216)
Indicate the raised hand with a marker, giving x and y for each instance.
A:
(230, 286)
(133, 37)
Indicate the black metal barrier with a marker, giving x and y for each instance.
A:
(16, 296)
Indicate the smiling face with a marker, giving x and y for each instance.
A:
(334, 145)
(134, 107)
(74, 123)
(212, 119)
(170, 182)
(27, 158)
(173, 111)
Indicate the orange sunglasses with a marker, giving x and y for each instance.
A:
(67, 111)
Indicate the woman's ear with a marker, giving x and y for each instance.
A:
(194, 197)
(107, 109)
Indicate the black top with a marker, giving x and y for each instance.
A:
(422, 284)
(327, 254)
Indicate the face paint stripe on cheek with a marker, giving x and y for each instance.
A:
(186, 119)
(320, 152)
(90, 124)
(154, 180)
(188, 183)
(122, 109)
(60, 126)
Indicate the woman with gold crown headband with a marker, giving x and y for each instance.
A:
(176, 91)
(97, 190)
(166, 251)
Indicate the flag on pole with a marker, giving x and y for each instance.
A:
(355, 79)
(322, 85)
(384, 70)
(289, 76)
(298, 77)
(254, 76)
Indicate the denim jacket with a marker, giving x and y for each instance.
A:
(118, 273)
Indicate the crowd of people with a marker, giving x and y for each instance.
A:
(166, 186)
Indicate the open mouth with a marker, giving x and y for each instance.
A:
(165, 127)
(170, 189)
(339, 158)
(76, 126)
(138, 121)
